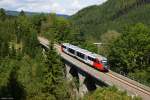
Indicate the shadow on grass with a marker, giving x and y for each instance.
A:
(14, 90)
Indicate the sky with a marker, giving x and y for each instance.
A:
(68, 7)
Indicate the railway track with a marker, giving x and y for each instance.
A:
(124, 80)
(135, 86)
(113, 78)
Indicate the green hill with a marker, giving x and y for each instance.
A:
(123, 27)
(112, 15)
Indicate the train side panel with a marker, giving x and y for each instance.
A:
(84, 58)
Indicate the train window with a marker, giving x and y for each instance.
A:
(90, 58)
(105, 62)
(80, 55)
(71, 51)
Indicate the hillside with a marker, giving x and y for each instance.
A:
(30, 73)
(123, 28)
(16, 13)
(112, 15)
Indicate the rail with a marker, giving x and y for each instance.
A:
(130, 82)
(111, 77)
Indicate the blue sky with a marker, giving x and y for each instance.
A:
(68, 7)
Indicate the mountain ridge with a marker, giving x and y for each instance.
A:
(112, 15)
(15, 13)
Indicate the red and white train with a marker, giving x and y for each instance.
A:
(97, 61)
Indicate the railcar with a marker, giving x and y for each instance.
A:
(97, 61)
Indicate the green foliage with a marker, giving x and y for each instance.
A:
(22, 13)
(109, 94)
(6, 36)
(2, 14)
(37, 21)
(10, 87)
(107, 39)
(27, 34)
(130, 52)
(112, 15)
(56, 28)
(24, 72)
(89, 46)
(54, 76)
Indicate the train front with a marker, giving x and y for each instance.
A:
(104, 63)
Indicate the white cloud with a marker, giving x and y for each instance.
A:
(59, 6)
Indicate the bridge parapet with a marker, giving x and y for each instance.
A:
(110, 78)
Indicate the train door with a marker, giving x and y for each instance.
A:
(90, 60)
(86, 59)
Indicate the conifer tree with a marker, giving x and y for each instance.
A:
(54, 77)
(2, 14)
(22, 13)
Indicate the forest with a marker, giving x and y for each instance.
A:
(28, 72)
(122, 26)
(113, 15)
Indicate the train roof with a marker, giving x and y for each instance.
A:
(86, 52)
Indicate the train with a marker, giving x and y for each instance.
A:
(96, 61)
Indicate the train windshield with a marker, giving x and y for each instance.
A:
(105, 63)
